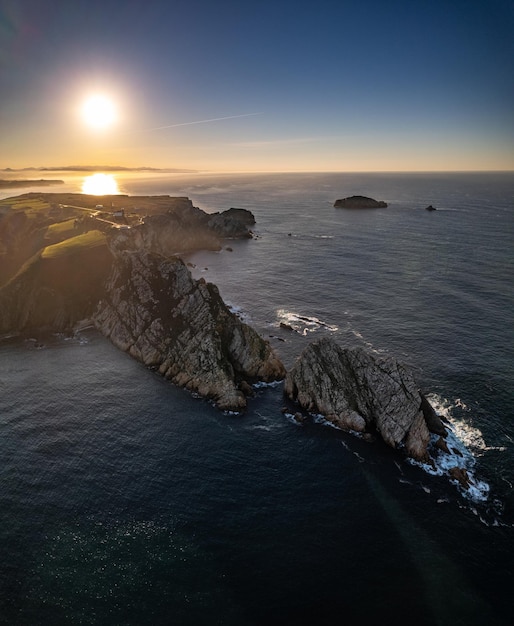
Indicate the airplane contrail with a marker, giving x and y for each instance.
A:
(214, 119)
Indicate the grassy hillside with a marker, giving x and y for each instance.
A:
(60, 230)
(58, 286)
(74, 245)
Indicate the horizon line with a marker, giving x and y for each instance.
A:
(185, 170)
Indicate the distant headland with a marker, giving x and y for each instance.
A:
(14, 184)
(100, 168)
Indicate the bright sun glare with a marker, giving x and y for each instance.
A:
(99, 112)
(100, 185)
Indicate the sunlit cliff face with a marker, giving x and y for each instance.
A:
(100, 185)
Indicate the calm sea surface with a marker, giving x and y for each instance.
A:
(124, 500)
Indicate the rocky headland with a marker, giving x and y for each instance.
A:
(154, 310)
(128, 280)
(359, 202)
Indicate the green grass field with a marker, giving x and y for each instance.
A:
(29, 205)
(92, 239)
(61, 230)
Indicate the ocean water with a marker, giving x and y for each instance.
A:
(125, 500)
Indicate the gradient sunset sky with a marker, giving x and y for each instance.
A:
(274, 85)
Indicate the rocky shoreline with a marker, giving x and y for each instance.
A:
(133, 286)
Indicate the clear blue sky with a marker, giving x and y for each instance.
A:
(360, 85)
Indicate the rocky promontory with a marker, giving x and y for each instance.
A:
(63, 266)
(359, 391)
(359, 202)
(185, 227)
(78, 264)
(154, 310)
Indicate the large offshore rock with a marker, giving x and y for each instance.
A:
(359, 202)
(360, 391)
(160, 315)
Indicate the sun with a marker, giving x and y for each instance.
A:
(100, 185)
(99, 112)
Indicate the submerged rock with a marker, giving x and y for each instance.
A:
(359, 202)
(359, 391)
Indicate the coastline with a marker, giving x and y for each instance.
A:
(18, 184)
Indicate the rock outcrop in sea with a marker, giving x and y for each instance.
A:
(359, 391)
(160, 315)
(359, 202)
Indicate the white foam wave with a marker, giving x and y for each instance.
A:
(361, 338)
(239, 312)
(321, 419)
(263, 385)
(462, 439)
(303, 324)
(290, 417)
(470, 436)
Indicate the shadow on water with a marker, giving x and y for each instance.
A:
(448, 595)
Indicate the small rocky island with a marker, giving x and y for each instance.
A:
(359, 202)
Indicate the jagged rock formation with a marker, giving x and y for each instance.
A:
(359, 391)
(232, 224)
(158, 313)
(359, 202)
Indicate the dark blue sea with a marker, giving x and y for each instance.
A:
(127, 501)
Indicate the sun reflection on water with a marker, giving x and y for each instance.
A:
(100, 185)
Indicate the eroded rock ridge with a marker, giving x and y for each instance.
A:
(158, 313)
(362, 392)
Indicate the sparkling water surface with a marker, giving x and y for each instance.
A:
(124, 500)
